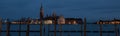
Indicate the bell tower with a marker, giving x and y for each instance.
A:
(41, 12)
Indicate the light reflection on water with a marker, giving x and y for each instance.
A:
(90, 27)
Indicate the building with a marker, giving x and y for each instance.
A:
(48, 20)
(114, 21)
(103, 22)
(54, 19)
(51, 19)
(61, 20)
(73, 21)
(41, 14)
(35, 21)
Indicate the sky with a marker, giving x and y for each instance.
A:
(93, 10)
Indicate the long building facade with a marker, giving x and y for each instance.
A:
(114, 21)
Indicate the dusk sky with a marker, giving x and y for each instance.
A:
(91, 9)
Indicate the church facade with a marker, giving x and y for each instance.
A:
(54, 19)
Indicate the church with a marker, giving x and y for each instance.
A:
(54, 19)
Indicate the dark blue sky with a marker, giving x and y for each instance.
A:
(92, 9)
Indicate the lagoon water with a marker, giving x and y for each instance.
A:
(66, 27)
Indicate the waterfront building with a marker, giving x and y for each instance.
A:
(19, 22)
(103, 22)
(61, 20)
(48, 20)
(36, 21)
(51, 19)
(73, 21)
(114, 21)
(54, 19)
(41, 14)
(70, 22)
(32, 22)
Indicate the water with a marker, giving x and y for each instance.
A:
(72, 30)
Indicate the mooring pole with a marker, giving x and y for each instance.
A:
(19, 34)
(48, 29)
(116, 30)
(0, 26)
(8, 27)
(100, 29)
(0, 29)
(81, 29)
(41, 28)
(84, 26)
(8, 30)
(19, 30)
(54, 29)
(28, 28)
(60, 27)
(44, 29)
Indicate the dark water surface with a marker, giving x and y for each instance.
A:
(72, 30)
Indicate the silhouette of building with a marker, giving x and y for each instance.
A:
(41, 13)
(54, 19)
(73, 21)
(49, 19)
(114, 21)
(61, 20)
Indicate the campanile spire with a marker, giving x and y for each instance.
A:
(41, 12)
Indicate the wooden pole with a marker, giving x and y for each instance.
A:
(44, 29)
(19, 33)
(116, 30)
(48, 29)
(84, 26)
(55, 22)
(41, 28)
(0, 29)
(81, 29)
(0, 26)
(19, 30)
(8, 30)
(8, 27)
(100, 29)
(27, 32)
(54, 29)
(60, 27)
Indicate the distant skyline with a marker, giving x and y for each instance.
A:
(91, 9)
